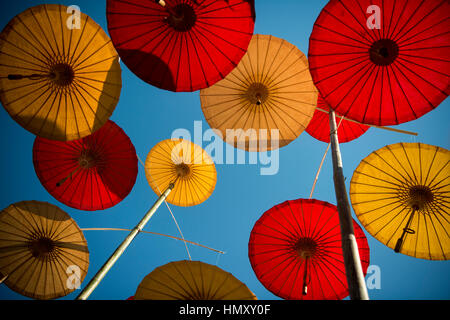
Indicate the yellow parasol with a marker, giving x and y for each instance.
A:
(184, 164)
(191, 280)
(43, 252)
(270, 89)
(58, 81)
(401, 195)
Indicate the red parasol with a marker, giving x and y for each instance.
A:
(93, 173)
(295, 251)
(181, 45)
(382, 62)
(319, 126)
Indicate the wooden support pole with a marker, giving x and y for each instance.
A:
(353, 269)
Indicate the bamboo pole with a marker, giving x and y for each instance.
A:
(122, 247)
(353, 269)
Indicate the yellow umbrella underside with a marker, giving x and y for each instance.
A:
(401, 195)
(57, 82)
(191, 280)
(270, 89)
(186, 165)
(43, 252)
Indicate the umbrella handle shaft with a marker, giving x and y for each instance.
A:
(406, 230)
(122, 247)
(305, 278)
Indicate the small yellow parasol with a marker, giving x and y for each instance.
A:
(191, 280)
(58, 81)
(43, 253)
(184, 164)
(401, 195)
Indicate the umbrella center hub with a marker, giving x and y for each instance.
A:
(182, 18)
(383, 52)
(420, 197)
(41, 247)
(87, 160)
(62, 74)
(182, 170)
(257, 93)
(305, 247)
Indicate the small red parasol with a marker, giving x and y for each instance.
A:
(93, 173)
(319, 126)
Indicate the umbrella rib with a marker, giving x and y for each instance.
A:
(52, 31)
(342, 35)
(391, 34)
(201, 21)
(360, 214)
(353, 74)
(270, 79)
(228, 7)
(77, 64)
(425, 67)
(217, 48)
(362, 27)
(74, 50)
(45, 36)
(399, 36)
(299, 232)
(139, 5)
(267, 74)
(47, 54)
(344, 25)
(194, 33)
(75, 60)
(409, 179)
(290, 107)
(142, 35)
(403, 92)
(63, 49)
(198, 59)
(433, 187)
(46, 117)
(403, 44)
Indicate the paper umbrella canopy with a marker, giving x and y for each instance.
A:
(43, 252)
(191, 280)
(295, 251)
(401, 195)
(57, 82)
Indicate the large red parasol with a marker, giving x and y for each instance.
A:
(181, 45)
(295, 251)
(93, 173)
(319, 126)
(382, 62)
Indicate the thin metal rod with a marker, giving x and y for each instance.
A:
(157, 234)
(373, 125)
(406, 230)
(122, 247)
(353, 269)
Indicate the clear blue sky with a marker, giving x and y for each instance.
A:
(149, 115)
